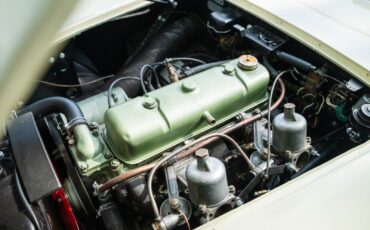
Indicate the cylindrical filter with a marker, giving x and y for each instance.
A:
(289, 130)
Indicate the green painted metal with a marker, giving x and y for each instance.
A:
(94, 107)
(87, 145)
(90, 153)
(146, 126)
(89, 149)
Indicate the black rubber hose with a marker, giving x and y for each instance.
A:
(138, 191)
(112, 216)
(295, 61)
(200, 68)
(167, 43)
(273, 72)
(52, 105)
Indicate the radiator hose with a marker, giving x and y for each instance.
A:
(87, 145)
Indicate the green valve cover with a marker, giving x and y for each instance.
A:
(146, 126)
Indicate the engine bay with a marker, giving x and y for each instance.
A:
(171, 116)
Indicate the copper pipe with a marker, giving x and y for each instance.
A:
(225, 130)
(125, 176)
(238, 125)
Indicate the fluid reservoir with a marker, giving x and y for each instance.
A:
(207, 180)
(289, 130)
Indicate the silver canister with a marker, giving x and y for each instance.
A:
(289, 130)
(207, 180)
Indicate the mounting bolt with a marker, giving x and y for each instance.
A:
(71, 141)
(114, 164)
(107, 155)
(62, 55)
(150, 103)
(202, 208)
(228, 70)
(83, 166)
(95, 188)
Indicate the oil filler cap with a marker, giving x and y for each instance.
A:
(247, 62)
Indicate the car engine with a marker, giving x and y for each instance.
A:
(171, 116)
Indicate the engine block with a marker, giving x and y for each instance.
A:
(146, 126)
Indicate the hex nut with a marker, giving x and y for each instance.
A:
(115, 164)
(201, 153)
(107, 155)
(149, 103)
(62, 55)
(228, 70)
(71, 141)
(83, 166)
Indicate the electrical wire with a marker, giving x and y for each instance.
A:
(217, 31)
(185, 218)
(179, 67)
(152, 68)
(332, 78)
(185, 59)
(299, 91)
(115, 82)
(307, 107)
(321, 105)
(142, 76)
(144, 68)
(30, 212)
(204, 55)
(328, 102)
(269, 119)
(75, 85)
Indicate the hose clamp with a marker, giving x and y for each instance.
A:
(71, 125)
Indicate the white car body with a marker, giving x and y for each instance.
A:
(332, 196)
